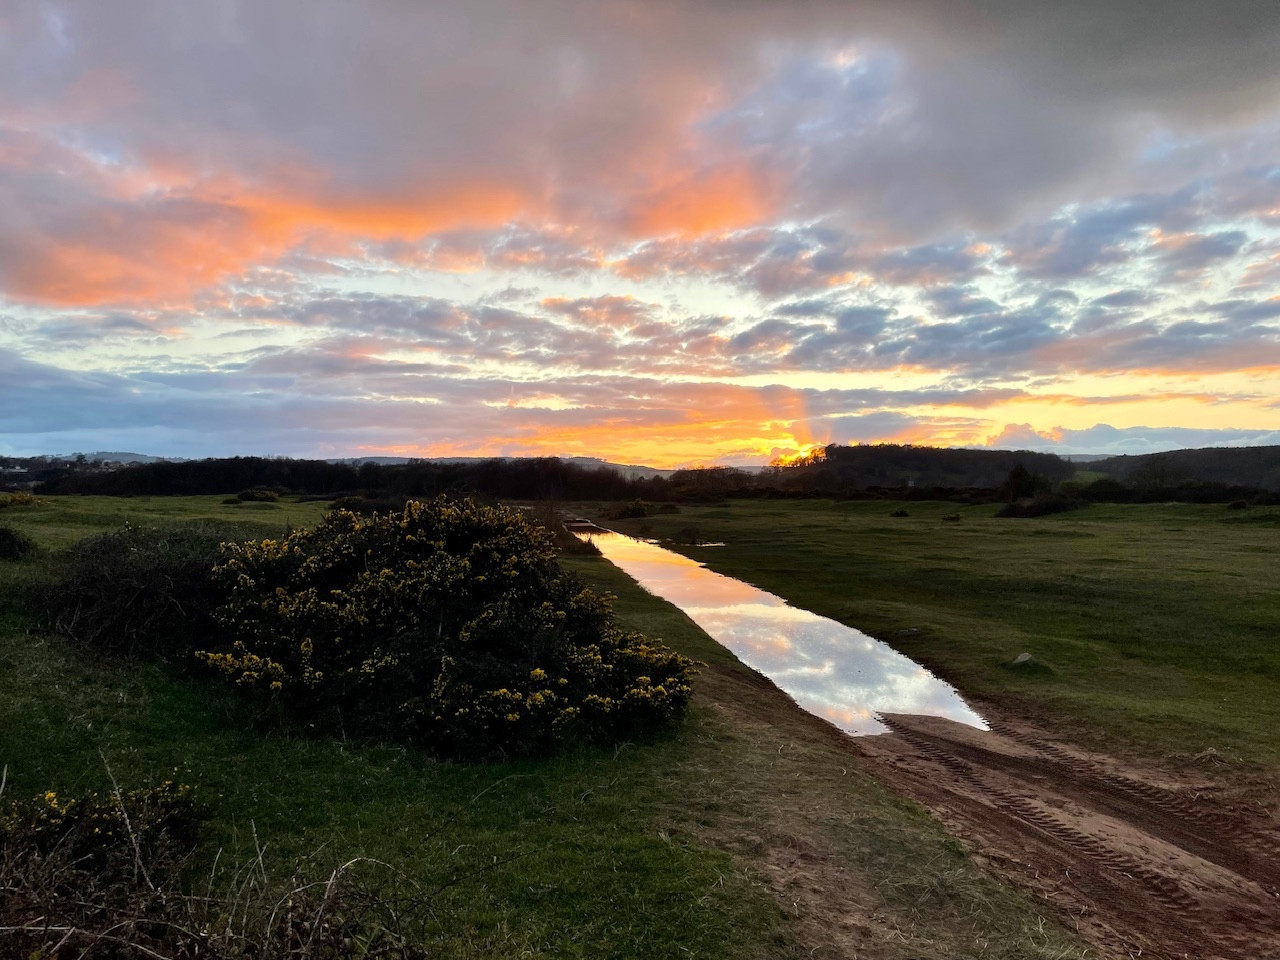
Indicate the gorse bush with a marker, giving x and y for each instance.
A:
(138, 591)
(450, 626)
(103, 836)
(258, 495)
(19, 498)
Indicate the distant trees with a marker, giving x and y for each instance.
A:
(902, 471)
(532, 478)
(1022, 483)
(1257, 467)
(845, 470)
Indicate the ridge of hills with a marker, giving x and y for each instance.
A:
(1254, 467)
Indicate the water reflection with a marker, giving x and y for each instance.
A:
(834, 671)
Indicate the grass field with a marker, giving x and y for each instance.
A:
(1159, 624)
(657, 849)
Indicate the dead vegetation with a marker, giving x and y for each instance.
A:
(115, 878)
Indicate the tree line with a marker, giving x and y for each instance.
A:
(889, 471)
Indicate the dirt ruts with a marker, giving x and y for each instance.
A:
(1142, 865)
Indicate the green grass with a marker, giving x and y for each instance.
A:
(1160, 623)
(655, 849)
(59, 521)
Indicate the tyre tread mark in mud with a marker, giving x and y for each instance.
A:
(1240, 852)
(1163, 797)
(1181, 936)
(1163, 888)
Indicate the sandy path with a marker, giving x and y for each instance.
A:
(1140, 862)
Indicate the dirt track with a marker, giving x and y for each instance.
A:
(1141, 864)
(1141, 860)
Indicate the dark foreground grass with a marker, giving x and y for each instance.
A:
(656, 849)
(1158, 624)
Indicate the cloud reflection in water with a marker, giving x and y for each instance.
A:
(831, 670)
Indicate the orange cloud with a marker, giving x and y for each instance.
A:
(163, 247)
(695, 204)
(161, 228)
(443, 207)
(722, 423)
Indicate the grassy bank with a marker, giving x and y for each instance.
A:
(676, 847)
(1157, 624)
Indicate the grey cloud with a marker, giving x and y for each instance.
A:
(1103, 438)
(957, 302)
(1248, 311)
(1068, 247)
(1193, 254)
(1123, 299)
(787, 262)
(951, 116)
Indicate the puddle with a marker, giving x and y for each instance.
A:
(833, 671)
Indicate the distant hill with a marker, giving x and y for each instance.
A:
(112, 456)
(631, 471)
(1235, 466)
(894, 465)
(380, 461)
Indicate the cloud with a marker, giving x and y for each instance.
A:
(231, 132)
(1186, 256)
(1106, 439)
(508, 229)
(1022, 436)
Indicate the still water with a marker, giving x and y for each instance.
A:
(831, 670)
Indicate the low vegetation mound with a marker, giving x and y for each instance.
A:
(138, 591)
(639, 509)
(14, 544)
(450, 626)
(1041, 506)
(19, 499)
(258, 495)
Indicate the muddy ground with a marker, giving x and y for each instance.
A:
(1168, 859)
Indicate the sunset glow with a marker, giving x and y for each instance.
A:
(673, 234)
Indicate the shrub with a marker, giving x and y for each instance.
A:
(258, 495)
(1040, 506)
(365, 506)
(110, 878)
(14, 544)
(1108, 490)
(137, 591)
(81, 875)
(103, 836)
(635, 510)
(449, 626)
(20, 498)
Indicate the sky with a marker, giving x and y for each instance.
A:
(653, 231)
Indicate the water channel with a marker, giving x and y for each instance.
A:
(833, 671)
